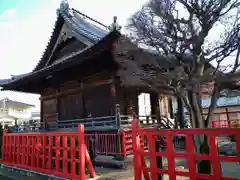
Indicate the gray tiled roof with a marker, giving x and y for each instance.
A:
(14, 104)
(80, 25)
(13, 77)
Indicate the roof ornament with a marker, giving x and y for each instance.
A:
(12, 76)
(115, 26)
(65, 7)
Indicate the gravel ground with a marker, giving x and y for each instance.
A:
(113, 174)
(4, 178)
(229, 170)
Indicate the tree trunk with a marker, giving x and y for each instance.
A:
(204, 166)
(196, 114)
(214, 98)
(180, 113)
(201, 141)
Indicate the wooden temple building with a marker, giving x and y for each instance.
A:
(87, 75)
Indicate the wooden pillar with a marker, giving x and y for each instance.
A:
(57, 107)
(155, 109)
(120, 96)
(170, 107)
(115, 102)
(180, 112)
(113, 96)
(131, 102)
(42, 123)
(227, 113)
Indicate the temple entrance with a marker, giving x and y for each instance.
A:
(144, 108)
(144, 104)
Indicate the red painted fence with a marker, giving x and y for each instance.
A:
(60, 154)
(127, 148)
(225, 123)
(150, 169)
(118, 143)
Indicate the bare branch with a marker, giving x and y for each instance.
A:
(181, 29)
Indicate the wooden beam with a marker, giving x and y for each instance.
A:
(57, 103)
(74, 90)
(228, 117)
(41, 113)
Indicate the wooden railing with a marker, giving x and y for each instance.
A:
(146, 121)
(115, 122)
(96, 123)
(27, 128)
(100, 123)
(126, 120)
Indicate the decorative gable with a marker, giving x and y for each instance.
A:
(66, 44)
(71, 26)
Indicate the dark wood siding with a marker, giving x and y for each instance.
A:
(49, 112)
(98, 101)
(93, 98)
(121, 99)
(79, 98)
(127, 98)
(131, 101)
(154, 104)
(71, 106)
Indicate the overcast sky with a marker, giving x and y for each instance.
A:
(26, 26)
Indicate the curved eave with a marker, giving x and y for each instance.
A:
(57, 28)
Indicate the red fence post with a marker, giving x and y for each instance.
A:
(216, 166)
(18, 150)
(81, 148)
(65, 155)
(50, 150)
(57, 160)
(137, 156)
(28, 150)
(38, 145)
(191, 161)
(4, 142)
(33, 139)
(73, 156)
(124, 150)
(89, 164)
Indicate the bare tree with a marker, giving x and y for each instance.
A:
(184, 40)
(202, 39)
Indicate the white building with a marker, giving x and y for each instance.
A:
(12, 112)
